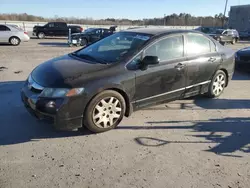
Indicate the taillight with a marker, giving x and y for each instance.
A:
(26, 33)
(81, 29)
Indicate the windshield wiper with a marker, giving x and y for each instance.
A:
(88, 57)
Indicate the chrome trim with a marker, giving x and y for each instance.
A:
(202, 83)
(159, 95)
(33, 84)
(37, 86)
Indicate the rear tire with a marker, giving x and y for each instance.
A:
(233, 41)
(217, 85)
(105, 111)
(15, 41)
(41, 35)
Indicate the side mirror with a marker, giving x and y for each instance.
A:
(150, 60)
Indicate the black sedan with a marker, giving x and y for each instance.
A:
(243, 59)
(101, 83)
(89, 36)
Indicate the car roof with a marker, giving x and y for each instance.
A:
(160, 31)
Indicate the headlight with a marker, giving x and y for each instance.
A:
(237, 56)
(61, 92)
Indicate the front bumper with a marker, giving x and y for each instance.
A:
(65, 115)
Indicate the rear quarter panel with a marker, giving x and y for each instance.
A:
(228, 63)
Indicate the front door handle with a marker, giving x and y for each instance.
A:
(179, 66)
(212, 59)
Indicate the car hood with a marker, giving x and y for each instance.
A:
(244, 51)
(66, 72)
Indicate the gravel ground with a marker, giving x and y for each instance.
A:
(195, 142)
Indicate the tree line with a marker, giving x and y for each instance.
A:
(182, 19)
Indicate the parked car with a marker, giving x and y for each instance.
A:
(13, 35)
(244, 34)
(98, 85)
(242, 59)
(55, 29)
(226, 35)
(89, 36)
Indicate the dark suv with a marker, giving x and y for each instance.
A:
(98, 85)
(226, 35)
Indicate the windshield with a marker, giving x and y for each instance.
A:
(113, 48)
(219, 31)
(89, 30)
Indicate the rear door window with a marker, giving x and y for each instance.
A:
(197, 44)
(4, 28)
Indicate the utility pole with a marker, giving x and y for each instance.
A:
(223, 20)
(164, 19)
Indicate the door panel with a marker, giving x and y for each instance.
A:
(4, 36)
(96, 35)
(166, 80)
(159, 83)
(202, 62)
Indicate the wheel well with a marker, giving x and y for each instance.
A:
(225, 71)
(14, 37)
(85, 38)
(123, 94)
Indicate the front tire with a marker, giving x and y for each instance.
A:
(84, 42)
(217, 84)
(105, 111)
(15, 41)
(41, 35)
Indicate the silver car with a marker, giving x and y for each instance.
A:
(12, 34)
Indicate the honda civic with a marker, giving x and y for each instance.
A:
(99, 84)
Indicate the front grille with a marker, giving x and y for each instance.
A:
(245, 58)
(34, 90)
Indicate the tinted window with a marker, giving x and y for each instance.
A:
(4, 28)
(51, 25)
(225, 33)
(98, 31)
(106, 31)
(60, 24)
(197, 44)
(167, 49)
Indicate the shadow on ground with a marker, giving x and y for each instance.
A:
(54, 44)
(5, 44)
(17, 125)
(237, 137)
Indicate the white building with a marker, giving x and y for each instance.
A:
(239, 17)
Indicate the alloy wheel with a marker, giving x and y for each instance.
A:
(14, 41)
(219, 84)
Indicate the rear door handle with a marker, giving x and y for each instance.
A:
(179, 66)
(212, 59)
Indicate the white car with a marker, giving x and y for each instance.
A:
(13, 35)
